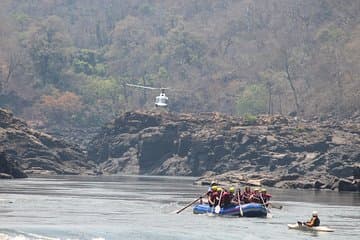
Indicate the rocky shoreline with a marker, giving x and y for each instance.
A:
(274, 151)
(25, 151)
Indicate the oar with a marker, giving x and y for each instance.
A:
(182, 209)
(217, 208)
(241, 211)
(267, 210)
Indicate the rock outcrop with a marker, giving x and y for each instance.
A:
(269, 150)
(9, 169)
(265, 151)
(27, 151)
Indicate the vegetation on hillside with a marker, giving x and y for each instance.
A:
(68, 61)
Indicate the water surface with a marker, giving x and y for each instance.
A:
(142, 207)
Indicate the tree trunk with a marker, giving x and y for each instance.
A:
(270, 98)
(291, 82)
(280, 105)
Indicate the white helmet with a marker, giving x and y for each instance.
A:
(314, 213)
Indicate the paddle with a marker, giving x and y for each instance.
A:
(241, 211)
(188, 205)
(217, 208)
(267, 210)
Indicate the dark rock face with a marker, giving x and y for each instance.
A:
(30, 151)
(347, 185)
(9, 169)
(273, 151)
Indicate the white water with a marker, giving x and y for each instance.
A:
(142, 208)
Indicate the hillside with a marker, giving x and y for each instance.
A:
(67, 62)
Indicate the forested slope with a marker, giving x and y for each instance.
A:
(68, 62)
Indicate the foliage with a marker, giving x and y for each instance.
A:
(89, 62)
(252, 100)
(236, 57)
(97, 88)
(47, 48)
(185, 48)
(61, 107)
(330, 34)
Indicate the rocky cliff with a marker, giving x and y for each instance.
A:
(24, 150)
(267, 150)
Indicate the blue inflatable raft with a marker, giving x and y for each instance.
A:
(249, 210)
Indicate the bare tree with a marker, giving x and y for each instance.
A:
(290, 78)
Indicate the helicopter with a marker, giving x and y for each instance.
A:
(161, 100)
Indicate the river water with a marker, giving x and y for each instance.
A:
(142, 207)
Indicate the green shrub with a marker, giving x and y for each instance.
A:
(252, 100)
(249, 119)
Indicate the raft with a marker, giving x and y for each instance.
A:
(249, 210)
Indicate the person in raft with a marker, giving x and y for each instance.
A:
(245, 197)
(265, 196)
(313, 222)
(237, 197)
(255, 196)
(212, 196)
(227, 197)
(213, 183)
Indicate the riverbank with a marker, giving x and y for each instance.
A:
(275, 151)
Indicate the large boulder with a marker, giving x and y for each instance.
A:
(347, 185)
(9, 169)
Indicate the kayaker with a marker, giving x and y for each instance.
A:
(314, 221)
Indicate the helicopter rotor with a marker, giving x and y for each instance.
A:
(146, 87)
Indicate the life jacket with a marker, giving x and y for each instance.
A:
(266, 197)
(225, 199)
(255, 198)
(316, 222)
(213, 197)
(245, 197)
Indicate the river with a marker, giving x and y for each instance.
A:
(142, 207)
